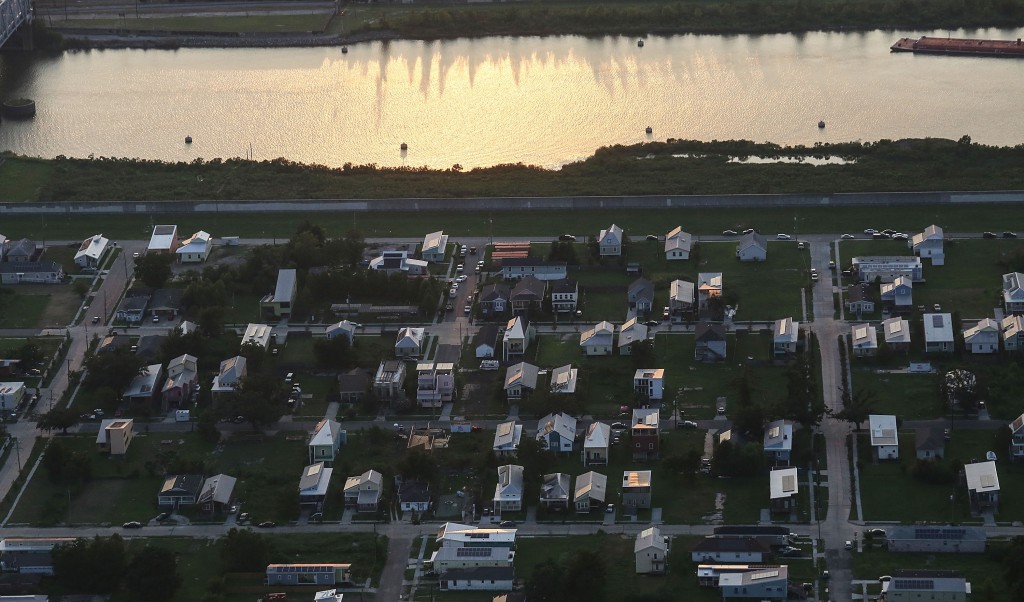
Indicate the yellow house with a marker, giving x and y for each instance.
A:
(115, 436)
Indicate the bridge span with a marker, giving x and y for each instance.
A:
(13, 14)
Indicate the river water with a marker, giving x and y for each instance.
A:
(544, 101)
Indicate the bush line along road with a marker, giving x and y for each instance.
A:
(835, 530)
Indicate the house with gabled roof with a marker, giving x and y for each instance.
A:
(783, 489)
(938, 333)
(678, 244)
(508, 492)
(598, 340)
(859, 299)
(485, 341)
(554, 491)
(91, 251)
(520, 381)
(785, 335)
(983, 337)
(709, 285)
(650, 551)
(763, 585)
(1013, 292)
(527, 294)
(680, 298)
(565, 295)
(31, 272)
(182, 378)
(257, 333)
(434, 247)
(610, 241)
(590, 492)
(195, 248)
(982, 480)
(1012, 332)
(518, 335)
(146, 386)
(887, 268)
(506, 438)
(231, 372)
(640, 296)
(557, 432)
(563, 380)
(914, 585)
(314, 482)
(778, 442)
(898, 295)
(929, 244)
(326, 440)
(885, 441)
(280, 302)
(409, 342)
(633, 331)
(22, 251)
(179, 490)
(217, 493)
(596, 444)
(494, 299)
(929, 443)
(752, 247)
(1017, 439)
(864, 340)
(710, 342)
(896, 332)
(364, 491)
(342, 329)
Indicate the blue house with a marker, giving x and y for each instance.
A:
(762, 583)
(778, 442)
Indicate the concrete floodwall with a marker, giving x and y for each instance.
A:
(517, 203)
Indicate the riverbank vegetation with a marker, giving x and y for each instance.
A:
(673, 167)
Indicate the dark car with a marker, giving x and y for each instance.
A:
(618, 426)
(134, 524)
(790, 551)
(267, 524)
(988, 234)
(687, 424)
(889, 231)
(567, 238)
(163, 516)
(876, 532)
(650, 323)
(1009, 234)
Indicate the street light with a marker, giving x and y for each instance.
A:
(952, 512)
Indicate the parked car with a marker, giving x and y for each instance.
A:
(95, 319)
(507, 524)
(988, 234)
(163, 516)
(847, 236)
(652, 237)
(869, 231)
(728, 233)
(848, 545)
(618, 426)
(888, 232)
(460, 268)
(267, 524)
(687, 424)
(666, 313)
(489, 365)
(244, 516)
(132, 524)
(567, 238)
(781, 236)
(790, 551)
(1009, 234)
(468, 310)
(749, 231)
(879, 235)
(875, 532)
(650, 323)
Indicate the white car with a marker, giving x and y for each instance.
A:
(870, 231)
(461, 278)
(847, 236)
(783, 237)
(459, 268)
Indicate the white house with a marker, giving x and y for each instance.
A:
(195, 248)
(884, 436)
(887, 268)
(778, 442)
(678, 244)
(363, 491)
(325, 442)
(752, 247)
(596, 444)
(258, 334)
(651, 552)
(864, 339)
(1013, 292)
(783, 489)
(1012, 328)
(91, 251)
(232, 370)
(506, 439)
(280, 302)
(897, 333)
(633, 331)
(414, 496)
(610, 241)
(434, 246)
(520, 381)
(564, 296)
(599, 340)
(590, 491)
(563, 380)
(508, 492)
(785, 334)
(164, 239)
(929, 244)
(314, 482)
(516, 338)
(344, 328)
(478, 579)
(557, 432)
(983, 337)
(982, 486)
(11, 395)
(485, 341)
(409, 342)
(938, 333)
(649, 382)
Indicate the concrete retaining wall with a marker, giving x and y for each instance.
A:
(518, 203)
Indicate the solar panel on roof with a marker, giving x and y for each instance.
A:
(926, 584)
(937, 320)
(988, 480)
(764, 575)
(788, 484)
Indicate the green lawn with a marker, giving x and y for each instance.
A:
(909, 396)
(21, 311)
(248, 23)
(243, 308)
(882, 483)
(979, 569)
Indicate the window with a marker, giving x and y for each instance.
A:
(650, 446)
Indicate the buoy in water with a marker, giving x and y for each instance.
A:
(821, 125)
(188, 139)
(404, 146)
(649, 130)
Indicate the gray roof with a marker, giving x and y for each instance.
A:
(903, 532)
(641, 287)
(285, 286)
(30, 266)
(563, 286)
(706, 331)
(182, 484)
(523, 374)
(218, 488)
(166, 298)
(413, 491)
(928, 581)
(929, 438)
(529, 287)
(355, 379)
(22, 247)
(729, 544)
(487, 335)
(490, 292)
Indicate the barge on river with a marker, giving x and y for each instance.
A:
(999, 48)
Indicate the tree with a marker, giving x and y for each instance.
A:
(258, 398)
(1013, 568)
(211, 321)
(244, 551)
(255, 356)
(152, 575)
(81, 287)
(350, 248)
(857, 408)
(642, 353)
(93, 567)
(959, 388)
(334, 353)
(584, 579)
(546, 583)
(58, 418)
(29, 355)
(153, 269)
(114, 370)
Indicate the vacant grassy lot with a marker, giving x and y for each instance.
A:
(883, 483)
(909, 396)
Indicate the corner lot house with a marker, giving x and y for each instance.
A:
(434, 246)
(325, 442)
(11, 395)
(313, 485)
(508, 492)
(651, 552)
(897, 334)
(631, 332)
(649, 382)
(590, 492)
(91, 251)
(257, 333)
(938, 333)
(929, 244)
(279, 303)
(885, 442)
(596, 444)
(506, 439)
(115, 435)
(778, 442)
(982, 486)
(557, 432)
(761, 585)
(363, 491)
(409, 342)
(179, 490)
(164, 240)
(864, 340)
(907, 586)
(636, 489)
(31, 272)
(752, 247)
(907, 538)
(598, 340)
(610, 241)
(784, 489)
(983, 337)
(1013, 292)
(785, 334)
(520, 381)
(195, 248)
(678, 244)
(888, 268)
